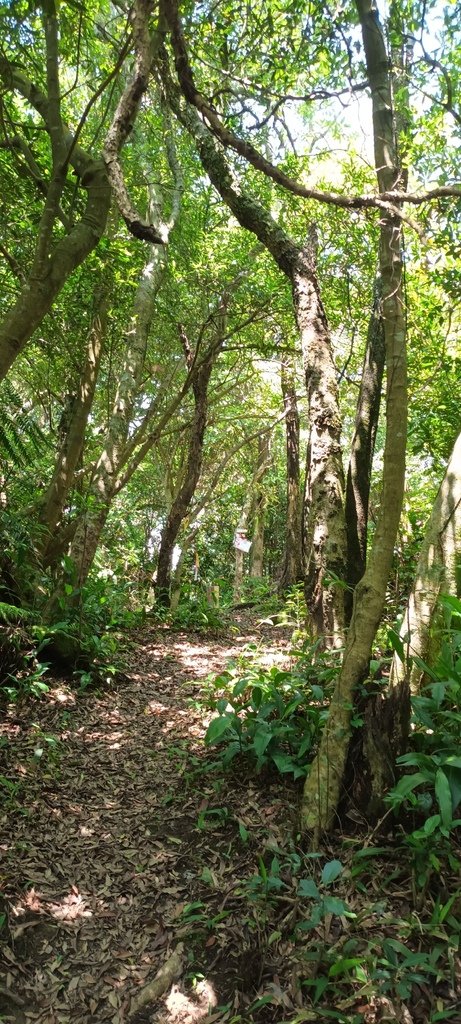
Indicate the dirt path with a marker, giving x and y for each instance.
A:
(120, 839)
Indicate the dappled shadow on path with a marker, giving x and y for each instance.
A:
(116, 839)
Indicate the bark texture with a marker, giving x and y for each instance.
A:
(362, 449)
(325, 782)
(437, 572)
(292, 571)
(122, 124)
(324, 530)
(76, 418)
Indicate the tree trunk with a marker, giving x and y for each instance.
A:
(324, 530)
(326, 538)
(193, 468)
(386, 733)
(437, 572)
(76, 417)
(259, 509)
(362, 449)
(242, 528)
(43, 286)
(292, 567)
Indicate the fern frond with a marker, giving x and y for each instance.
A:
(10, 615)
(19, 431)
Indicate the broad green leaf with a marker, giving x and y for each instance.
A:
(307, 887)
(217, 728)
(333, 905)
(331, 871)
(443, 794)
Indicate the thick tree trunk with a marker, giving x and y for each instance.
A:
(292, 571)
(362, 449)
(44, 284)
(438, 572)
(324, 530)
(76, 417)
(325, 781)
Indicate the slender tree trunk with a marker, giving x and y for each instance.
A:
(387, 723)
(362, 449)
(76, 419)
(438, 572)
(242, 527)
(292, 567)
(192, 471)
(324, 530)
(259, 509)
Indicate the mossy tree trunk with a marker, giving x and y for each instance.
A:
(323, 512)
(325, 783)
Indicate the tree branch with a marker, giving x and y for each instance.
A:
(122, 125)
(385, 201)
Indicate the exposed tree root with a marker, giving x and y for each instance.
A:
(168, 973)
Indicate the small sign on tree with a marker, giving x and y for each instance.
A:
(241, 541)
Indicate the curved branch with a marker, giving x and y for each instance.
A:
(385, 201)
(122, 125)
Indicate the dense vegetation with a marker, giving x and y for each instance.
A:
(230, 380)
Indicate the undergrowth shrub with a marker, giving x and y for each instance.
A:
(273, 715)
(432, 790)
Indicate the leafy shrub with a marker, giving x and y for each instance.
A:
(273, 715)
(434, 788)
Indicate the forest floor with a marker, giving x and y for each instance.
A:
(127, 850)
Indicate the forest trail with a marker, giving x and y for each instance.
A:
(120, 841)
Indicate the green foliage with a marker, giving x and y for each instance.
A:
(10, 614)
(274, 716)
(21, 438)
(433, 788)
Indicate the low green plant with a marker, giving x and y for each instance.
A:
(273, 715)
(28, 681)
(433, 789)
(319, 893)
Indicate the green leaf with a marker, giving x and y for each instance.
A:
(405, 786)
(217, 728)
(371, 851)
(454, 778)
(331, 871)
(243, 832)
(283, 762)
(262, 739)
(333, 905)
(344, 966)
(307, 887)
(396, 643)
(443, 794)
(431, 824)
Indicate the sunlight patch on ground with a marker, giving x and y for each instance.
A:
(182, 1009)
(70, 908)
